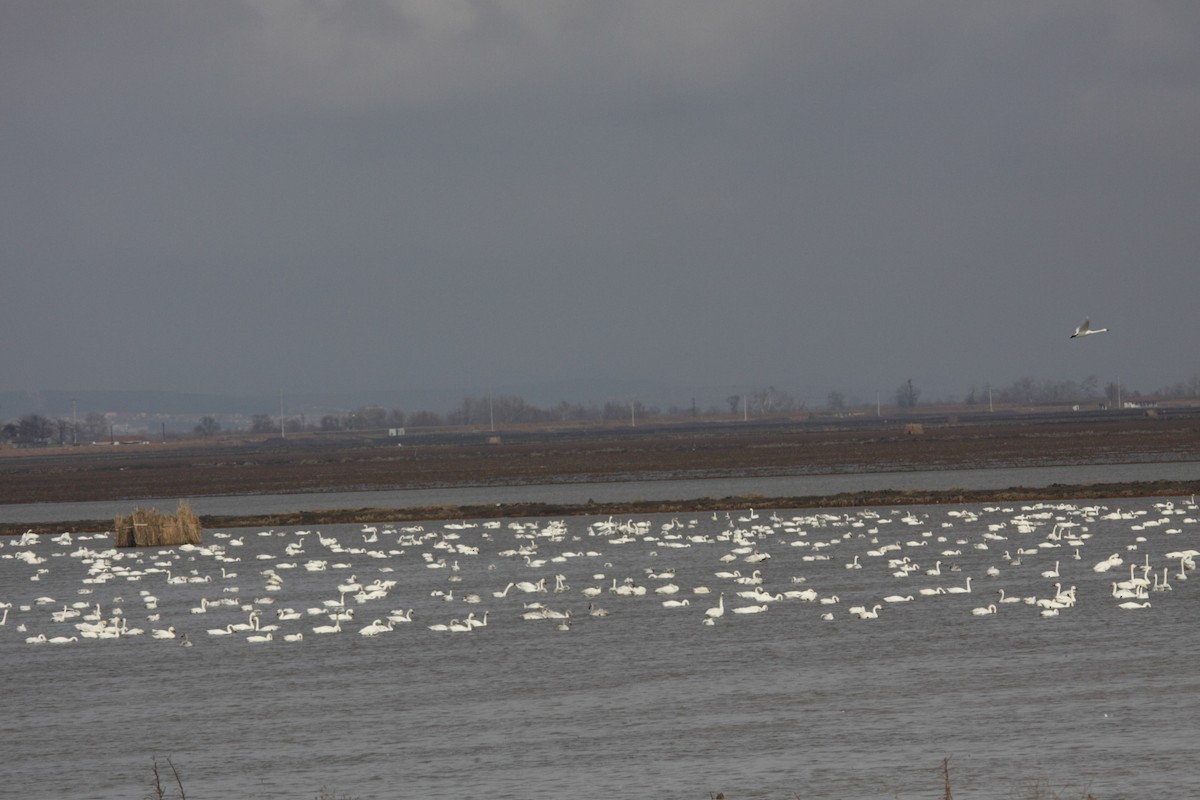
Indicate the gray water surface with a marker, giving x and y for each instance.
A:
(645, 702)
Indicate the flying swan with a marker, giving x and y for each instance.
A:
(1085, 329)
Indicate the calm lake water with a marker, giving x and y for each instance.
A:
(648, 701)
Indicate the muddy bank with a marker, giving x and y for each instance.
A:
(511, 458)
(145, 473)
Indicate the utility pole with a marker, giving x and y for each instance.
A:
(282, 431)
(74, 429)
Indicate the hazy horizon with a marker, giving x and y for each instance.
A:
(243, 197)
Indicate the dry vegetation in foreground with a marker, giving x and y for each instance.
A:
(159, 792)
(1038, 790)
(149, 527)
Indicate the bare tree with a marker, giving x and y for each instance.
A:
(907, 394)
(208, 426)
(95, 426)
(1112, 392)
(35, 428)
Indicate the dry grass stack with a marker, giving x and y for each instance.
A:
(148, 527)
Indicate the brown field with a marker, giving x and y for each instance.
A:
(314, 463)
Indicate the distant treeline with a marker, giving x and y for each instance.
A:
(484, 411)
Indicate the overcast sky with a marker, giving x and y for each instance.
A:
(234, 197)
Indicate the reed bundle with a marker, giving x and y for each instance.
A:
(148, 527)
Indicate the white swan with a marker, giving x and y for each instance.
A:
(336, 627)
(984, 611)
(1130, 605)
(1085, 329)
(718, 610)
(872, 614)
(164, 633)
(260, 638)
(350, 587)
(376, 627)
(751, 609)
(960, 589)
(250, 625)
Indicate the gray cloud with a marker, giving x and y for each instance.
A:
(245, 196)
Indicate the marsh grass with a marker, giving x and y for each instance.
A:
(1039, 789)
(326, 794)
(148, 527)
(157, 791)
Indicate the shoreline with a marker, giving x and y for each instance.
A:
(909, 497)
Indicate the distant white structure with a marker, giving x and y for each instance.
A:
(394, 432)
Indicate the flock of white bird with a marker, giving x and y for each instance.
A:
(293, 586)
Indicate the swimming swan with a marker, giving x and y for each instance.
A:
(960, 589)
(872, 614)
(377, 627)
